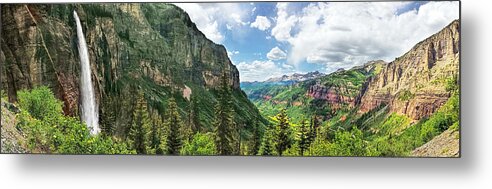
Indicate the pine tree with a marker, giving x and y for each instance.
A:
(303, 138)
(313, 129)
(140, 127)
(267, 144)
(255, 141)
(282, 135)
(156, 134)
(187, 129)
(186, 132)
(173, 125)
(107, 116)
(224, 120)
(195, 114)
(236, 139)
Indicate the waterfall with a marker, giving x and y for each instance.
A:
(89, 111)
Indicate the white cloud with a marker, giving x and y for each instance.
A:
(237, 19)
(261, 22)
(287, 66)
(211, 17)
(285, 23)
(232, 53)
(276, 54)
(259, 70)
(341, 35)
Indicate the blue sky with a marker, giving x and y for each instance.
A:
(266, 39)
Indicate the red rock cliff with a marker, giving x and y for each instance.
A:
(415, 83)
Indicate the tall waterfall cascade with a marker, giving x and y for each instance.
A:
(89, 111)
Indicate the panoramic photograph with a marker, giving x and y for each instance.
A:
(330, 79)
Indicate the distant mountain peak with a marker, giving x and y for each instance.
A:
(296, 77)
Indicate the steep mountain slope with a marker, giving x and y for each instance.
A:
(415, 83)
(154, 48)
(447, 144)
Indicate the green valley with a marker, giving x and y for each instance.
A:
(162, 87)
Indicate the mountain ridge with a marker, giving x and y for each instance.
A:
(421, 74)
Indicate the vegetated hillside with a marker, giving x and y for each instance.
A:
(153, 48)
(322, 97)
(398, 106)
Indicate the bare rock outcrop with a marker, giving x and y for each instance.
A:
(447, 144)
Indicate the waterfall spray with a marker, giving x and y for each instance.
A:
(89, 111)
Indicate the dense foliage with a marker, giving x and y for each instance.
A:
(201, 144)
(375, 133)
(47, 130)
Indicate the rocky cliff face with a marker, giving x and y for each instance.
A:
(333, 95)
(151, 47)
(415, 84)
(344, 87)
(37, 51)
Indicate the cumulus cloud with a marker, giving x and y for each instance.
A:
(261, 22)
(210, 17)
(259, 70)
(232, 53)
(284, 23)
(276, 54)
(342, 35)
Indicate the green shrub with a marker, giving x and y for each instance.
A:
(201, 144)
(349, 143)
(3, 94)
(292, 151)
(319, 147)
(452, 84)
(48, 130)
(40, 103)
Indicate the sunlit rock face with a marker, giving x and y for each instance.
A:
(415, 83)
